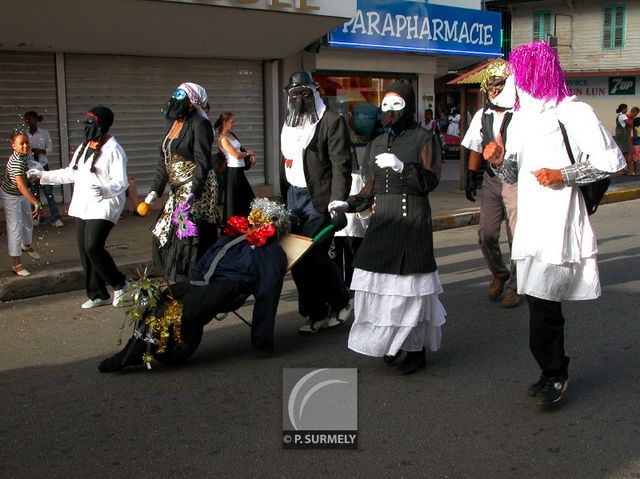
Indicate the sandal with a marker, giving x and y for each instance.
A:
(20, 270)
(30, 251)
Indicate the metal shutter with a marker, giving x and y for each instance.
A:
(28, 82)
(136, 89)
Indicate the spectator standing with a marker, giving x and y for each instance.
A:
(98, 172)
(41, 147)
(499, 199)
(16, 197)
(238, 192)
(624, 124)
(453, 128)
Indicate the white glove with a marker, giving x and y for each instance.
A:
(151, 197)
(96, 190)
(34, 173)
(389, 160)
(336, 207)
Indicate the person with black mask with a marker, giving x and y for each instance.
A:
(395, 277)
(316, 169)
(98, 171)
(187, 225)
(499, 199)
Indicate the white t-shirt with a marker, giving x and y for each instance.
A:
(41, 139)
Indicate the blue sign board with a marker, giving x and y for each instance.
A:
(420, 27)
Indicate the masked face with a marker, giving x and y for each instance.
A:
(91, 130)
(506, 97)
(179, 106)
(392, 109)
(301, 106)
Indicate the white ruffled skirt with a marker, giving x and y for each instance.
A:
(394, 312)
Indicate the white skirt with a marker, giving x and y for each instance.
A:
(571, 281)
(394, 312)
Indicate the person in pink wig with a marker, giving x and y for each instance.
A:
(554, 245)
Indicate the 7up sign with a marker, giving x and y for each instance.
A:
(622, 85)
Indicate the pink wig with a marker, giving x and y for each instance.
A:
(537, 71)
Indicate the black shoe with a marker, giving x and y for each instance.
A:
(414, 362)
(536, 388)
(131, 355)
(552, 391)
(388, 358)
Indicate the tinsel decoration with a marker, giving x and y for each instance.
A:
(152, 329)
(537, 71)
(264, 211)
(185, 227)
(499, 69)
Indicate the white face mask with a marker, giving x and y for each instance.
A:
(507, 97)
(392, 103)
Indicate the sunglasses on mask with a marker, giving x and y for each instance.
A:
(179, 94)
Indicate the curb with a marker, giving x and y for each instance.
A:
(62, 280)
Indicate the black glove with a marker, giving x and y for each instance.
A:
(470, 190)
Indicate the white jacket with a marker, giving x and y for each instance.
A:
(110, 175)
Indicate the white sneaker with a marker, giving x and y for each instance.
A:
(343, 316)
(311, 327)
(120, 295)
(57, 224)
(94, 303)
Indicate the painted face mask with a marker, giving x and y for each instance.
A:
(301, 106)
(91, 129)
(392, 109)
(506, 99)
(179, 106)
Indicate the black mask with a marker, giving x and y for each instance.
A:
(301, 106)
(400, 120)
(91, 130)
(178, 109)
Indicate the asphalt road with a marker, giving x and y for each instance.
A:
(220, 415)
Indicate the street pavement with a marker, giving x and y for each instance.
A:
(59, 269)
(466, 415)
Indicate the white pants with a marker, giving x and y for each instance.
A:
(17, 213)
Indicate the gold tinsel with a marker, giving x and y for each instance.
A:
(162, 327)
(498, 68)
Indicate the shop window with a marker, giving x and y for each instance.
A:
(613, 27)
(357, 99)
(542, 25)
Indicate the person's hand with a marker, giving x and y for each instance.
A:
(470, 189)
(34, 174)
(547, 176)
(250, 153)
(389, 160)
(337, 207)
(494, 151)
(36, 214)
(96, 191)
(151, 197)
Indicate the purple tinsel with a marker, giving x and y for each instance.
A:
(185, 228)
(537, 71)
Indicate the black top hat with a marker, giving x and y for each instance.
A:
(301, 78)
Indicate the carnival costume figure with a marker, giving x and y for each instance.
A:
(499, 199)
(247, 261)
(316, 170)
(395, 277)
(187, 225)
(556, 143)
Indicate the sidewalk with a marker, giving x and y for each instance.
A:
(59, 268)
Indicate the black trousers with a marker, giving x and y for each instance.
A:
(345, 248)
(317, 278)
(546, 336)
(97, 263)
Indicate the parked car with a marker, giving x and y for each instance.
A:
(450, 146)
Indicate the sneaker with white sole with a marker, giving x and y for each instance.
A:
(94, 303)
(343, 316)
(552, 391)
(120, 295)
(57, 224)
(311, 327)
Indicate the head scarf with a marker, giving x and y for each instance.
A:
(197, 96)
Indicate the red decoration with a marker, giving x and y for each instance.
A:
(288, 163)
(239, 225)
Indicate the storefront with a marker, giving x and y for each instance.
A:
(405, 40)
(138, 52)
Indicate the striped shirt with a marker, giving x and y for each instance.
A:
(16, 166)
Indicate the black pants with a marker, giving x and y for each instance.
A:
(546, 336)
(97, 263)
(202, 303)
(316, 276)
(345, 248)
